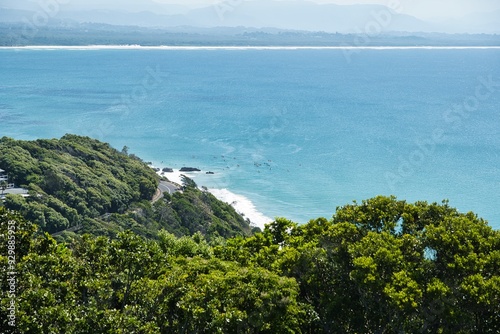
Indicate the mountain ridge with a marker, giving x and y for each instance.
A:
(304, 15)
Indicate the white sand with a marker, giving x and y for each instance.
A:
(166, 47)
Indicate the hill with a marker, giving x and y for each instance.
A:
(297, 15)
(78, 183)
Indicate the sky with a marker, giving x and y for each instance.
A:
(423, 9)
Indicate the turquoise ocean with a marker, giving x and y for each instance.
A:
(291, 133)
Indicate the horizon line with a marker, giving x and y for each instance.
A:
(228, 47)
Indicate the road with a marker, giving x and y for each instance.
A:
(169, 187)
(164, 187)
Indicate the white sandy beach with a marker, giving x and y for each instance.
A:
(166, 47)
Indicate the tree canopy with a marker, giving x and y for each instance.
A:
(380, 266)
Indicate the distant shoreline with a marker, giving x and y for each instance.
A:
(166, 47)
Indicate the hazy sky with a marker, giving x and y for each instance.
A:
(424, 9)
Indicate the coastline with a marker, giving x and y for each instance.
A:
(243, 205)
(37, 117)
(193, 48)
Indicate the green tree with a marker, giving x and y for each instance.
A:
(382, 266)
(3, 186)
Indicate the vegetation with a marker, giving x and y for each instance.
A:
(19, 34)
(78, 184)
(188, 263)
(380, 266)
(3, 186)
(193, 210)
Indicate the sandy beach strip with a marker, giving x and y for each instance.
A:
(193, 48)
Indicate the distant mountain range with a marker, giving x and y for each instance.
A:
(296, 15)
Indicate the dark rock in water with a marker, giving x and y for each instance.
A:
(167, 170)
(190, 169)
(156, 169)
(210, 173)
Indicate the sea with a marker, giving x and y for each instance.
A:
(286, 132)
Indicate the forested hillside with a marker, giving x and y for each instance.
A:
(380, 266)
(81, 183)
(15, 34)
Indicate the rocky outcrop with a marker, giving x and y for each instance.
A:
(190, 169)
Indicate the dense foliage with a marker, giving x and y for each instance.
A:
(380, 266)
(72, 179)
(81, 184)
(194, 210)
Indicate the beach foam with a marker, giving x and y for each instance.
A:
(243, 206)
(175, 176)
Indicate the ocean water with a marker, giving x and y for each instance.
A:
(291, 133)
